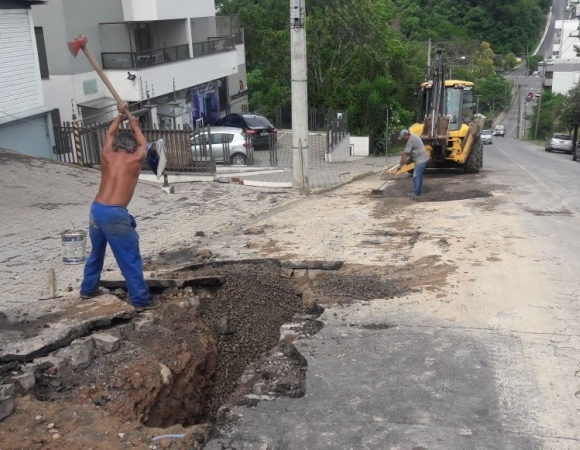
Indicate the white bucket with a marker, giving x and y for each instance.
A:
(74, 246)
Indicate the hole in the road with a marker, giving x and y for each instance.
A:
(204, 347)
(208, 345)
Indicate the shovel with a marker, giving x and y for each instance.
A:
(380, 192)
(80, 43)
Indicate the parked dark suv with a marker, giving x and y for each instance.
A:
(254, 125)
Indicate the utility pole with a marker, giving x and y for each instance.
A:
(429, 55)
(538, 117)
(518, 125)
(477, 103)
(300, 149)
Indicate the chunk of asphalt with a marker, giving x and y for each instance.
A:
(6, 407)
(106, 342)
(26, 381)
(78, 356)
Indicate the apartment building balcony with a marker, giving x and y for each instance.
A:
(158, 56)
(138, 83)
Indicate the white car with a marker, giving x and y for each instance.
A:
(222, 140)
(486, 137)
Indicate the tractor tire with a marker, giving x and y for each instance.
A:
(475, 159)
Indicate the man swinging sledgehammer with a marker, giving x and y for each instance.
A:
(110, 222)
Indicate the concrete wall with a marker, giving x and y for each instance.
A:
(238, 91)
(564, 81)
(202, 28)
(62, 92)
(360, 145)
(170, 33)
(115, 38)
(62, 20)
(341, 152)
(148, 10)
(33, 137)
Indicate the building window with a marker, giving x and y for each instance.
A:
(42, 60)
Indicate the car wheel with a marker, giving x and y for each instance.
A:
(238, 160)
(547, 149)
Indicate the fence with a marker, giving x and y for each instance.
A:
(337, 131)
(81, 144)
(318, 119)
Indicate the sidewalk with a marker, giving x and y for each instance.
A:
(42, 199)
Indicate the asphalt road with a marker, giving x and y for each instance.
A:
(489, 360)
(515, 119)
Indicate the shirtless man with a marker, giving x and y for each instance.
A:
(123, 155)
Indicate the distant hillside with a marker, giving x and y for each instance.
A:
(508, 25)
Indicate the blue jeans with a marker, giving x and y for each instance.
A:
(114, 224)
(418, 178)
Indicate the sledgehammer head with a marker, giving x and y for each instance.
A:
(77, 44)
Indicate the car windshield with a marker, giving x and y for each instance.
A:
(486, 132)
(257, 122)
(564, 137)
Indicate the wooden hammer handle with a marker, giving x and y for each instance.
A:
(105, 79)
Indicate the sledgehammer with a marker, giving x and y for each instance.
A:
(80, 43)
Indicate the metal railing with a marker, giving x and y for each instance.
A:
(180, 155)
(213, 46)
(154, 57)
(318, 119)
(337, 131)
(145, 58)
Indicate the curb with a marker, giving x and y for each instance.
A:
(353, 178)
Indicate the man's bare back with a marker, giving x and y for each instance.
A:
(120, 169)
(119, 175)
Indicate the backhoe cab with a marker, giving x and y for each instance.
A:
(447, 123)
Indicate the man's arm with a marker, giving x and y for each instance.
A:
(404, 158)
(141, 141)
(114, 129)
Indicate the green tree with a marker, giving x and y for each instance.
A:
(484, 61)
(552, 115)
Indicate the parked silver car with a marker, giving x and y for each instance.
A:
(221, 140)
(560, 142)
(486, 137)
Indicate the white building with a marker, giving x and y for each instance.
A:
(25, 123)
(565, 38)
(173, 61)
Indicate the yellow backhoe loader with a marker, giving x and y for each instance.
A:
(447, 123)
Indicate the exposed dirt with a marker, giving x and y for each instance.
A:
(170, 376)
(438, 186)
(178, 369)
